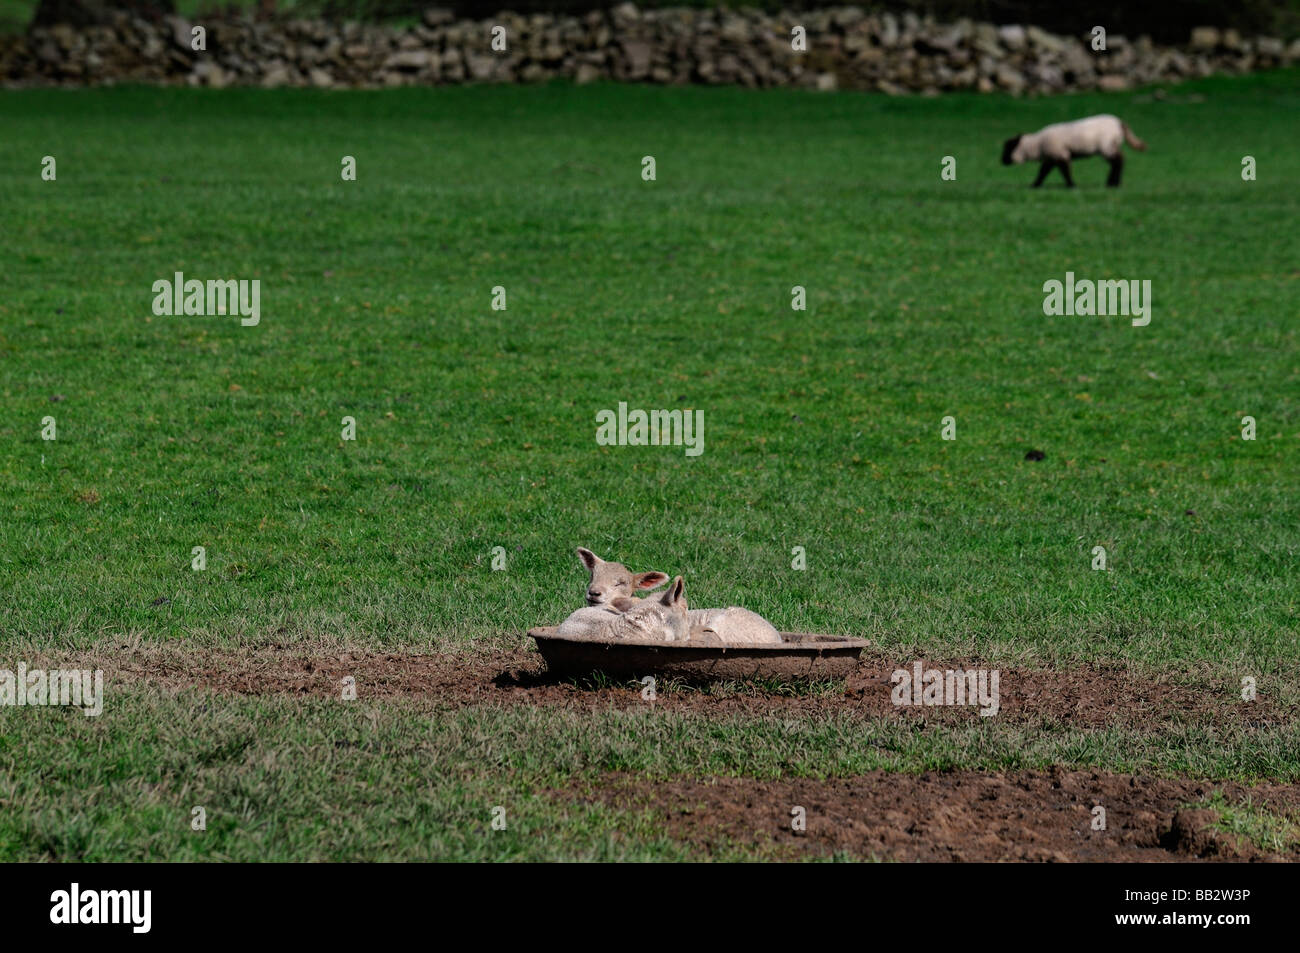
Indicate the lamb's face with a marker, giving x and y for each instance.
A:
(610, 581)
(1011, 151)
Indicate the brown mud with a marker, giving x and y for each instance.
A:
(1082, 696)
(938, 816)
(969, 816)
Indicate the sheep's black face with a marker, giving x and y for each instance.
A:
(1008, 148)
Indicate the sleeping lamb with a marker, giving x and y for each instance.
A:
(611, 582)
(661, 617)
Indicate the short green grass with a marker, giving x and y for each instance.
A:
(280, 778)
(1267, 830)
(476, 428)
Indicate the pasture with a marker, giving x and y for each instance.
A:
(372, 558)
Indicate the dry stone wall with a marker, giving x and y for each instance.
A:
(839, 48)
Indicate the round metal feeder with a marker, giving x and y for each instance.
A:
(799, 656)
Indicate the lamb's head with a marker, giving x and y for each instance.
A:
(663, 616)
(1011, 152)
(610, 581)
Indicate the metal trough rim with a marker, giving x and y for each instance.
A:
(796, 643)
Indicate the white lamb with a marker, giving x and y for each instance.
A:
(733, 625)
(661, 617)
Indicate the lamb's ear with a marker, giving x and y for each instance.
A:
(589, 559)
(623, 603)
(648, 580)
(676, 592)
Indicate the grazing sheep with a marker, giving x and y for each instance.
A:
(614, 583)
(1057, 144)
(661, 617)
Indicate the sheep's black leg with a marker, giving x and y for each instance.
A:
(1116, 170)
(1043, 169)
(1065, 171)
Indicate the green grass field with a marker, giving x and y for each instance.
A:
(475, 428)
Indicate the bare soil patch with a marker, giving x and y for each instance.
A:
(953, 816)
(1080, 696)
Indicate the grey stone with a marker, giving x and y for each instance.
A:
(409, 60)
(1013, 37)
(638, 55)
(1010, 79)
(480, 66)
